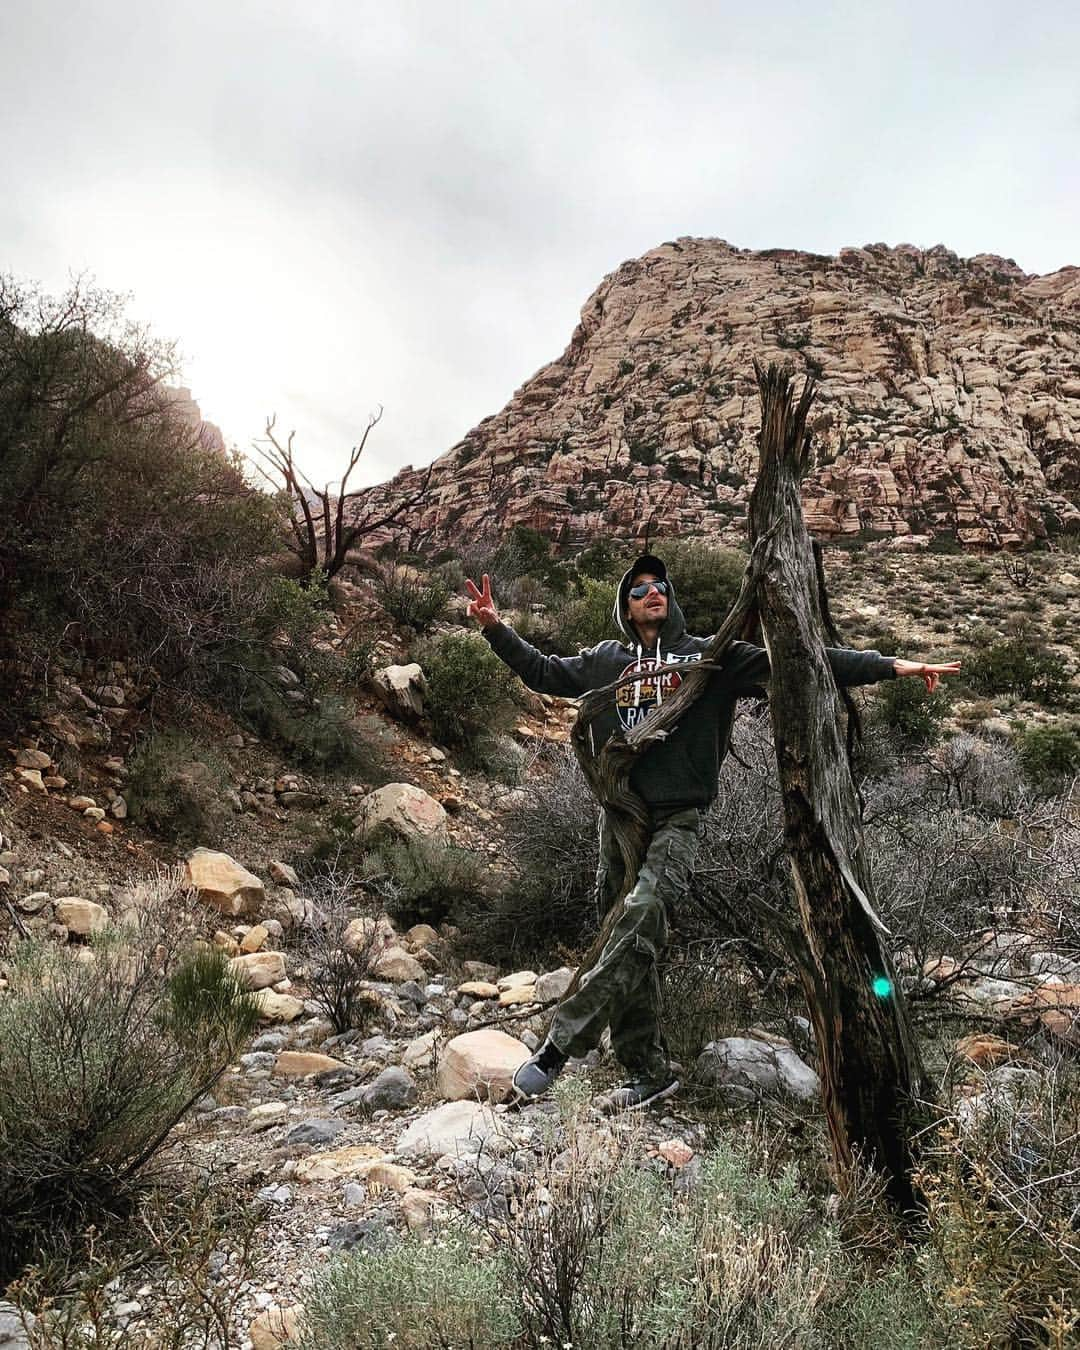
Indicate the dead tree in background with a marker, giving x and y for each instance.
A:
(321, 536)
(871, 1073)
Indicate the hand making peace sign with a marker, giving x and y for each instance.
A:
(481, 606)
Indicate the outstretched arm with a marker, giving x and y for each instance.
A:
(746, 666)
(567, 676)
(930, 674)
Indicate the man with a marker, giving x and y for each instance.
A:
(677, 779)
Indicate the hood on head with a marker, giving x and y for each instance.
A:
(674, 625)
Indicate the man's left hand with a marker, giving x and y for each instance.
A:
(931, 674)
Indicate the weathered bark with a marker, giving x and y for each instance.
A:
(871, 1072)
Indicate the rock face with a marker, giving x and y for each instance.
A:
(949, 401)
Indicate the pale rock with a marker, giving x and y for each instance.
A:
(509, 998)
(278, 1007)
(283, 874)
(453, 1127)
(518, 980)
(30, 778)
(984, 1050)
(258, 970)
(226, 942)
(254, 939)
(423, 935)
(367, 932)
(274, 1327)
(481, 970)
(400, 810)
(118, 808)
(400, 689)
(752, 1066)
(79, 916)
(32, 759)
(479, 1064)
(420, 1052)
(418, 1207)
(396, 965)
(265, 1115)
(553, 985)
(81, 803)
(94, 814)
(222, 883)
(304, 1063)
(479, 989)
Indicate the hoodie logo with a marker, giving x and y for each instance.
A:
(658, 682)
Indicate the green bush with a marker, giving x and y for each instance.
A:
(587, 619)
(706, 580)
(1020, 665)
(426, 881)
(1050, 755)
(469, 690)
(411, 598)
(99, 1059)
(906, 709)
(175, 787)
(525, 552)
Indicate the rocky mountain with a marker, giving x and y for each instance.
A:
(948, 405)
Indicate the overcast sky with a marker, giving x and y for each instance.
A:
(337, 205)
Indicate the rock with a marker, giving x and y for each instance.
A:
(1003, 1091)
(479, 989)
(30, 778)
(423, 935)
(481, 970)
(317, 1132)
(32, 759)
(368, 932)
(254, 939)
(258, 970)
(552, 986)
(1054, 963)
(400, 810)
(396, 964)
(391, 1090)
(274, 1327)
(302, 1063)
(13, 1335)
(479, 1064)
(33, 903)
(283, 874)
(79, 916)
(420, 1052)
(675, 1152)
(354, 1195)
(1057, 1007)
(353, 1161)
(450, 1128)
(739, 1062)
(400, 689)
(366, 1235)
(418, 1207)
(118, 808)
(94, 814)
(222, 883)
(265, 1115)
(518, 980)
(509, 998)
(989, 993)
(388, 1176)
(227, 943)
(984, 1050)
(81, 803)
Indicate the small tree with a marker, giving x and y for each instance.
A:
(326, 526)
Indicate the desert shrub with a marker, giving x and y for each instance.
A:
(341, 943)
(983, 775)
(99, 1059)
(175, 787)
(498, 756)
(1020, 665)
(706, 580)
(911, 714)
(415, 1296)
(425, 881)
(469, 690)
(602, 560)
(1050, 755)
(412, 598)
(586, 618)
(550, 842)
(1002, 1190)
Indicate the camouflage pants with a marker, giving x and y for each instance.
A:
(622, 991)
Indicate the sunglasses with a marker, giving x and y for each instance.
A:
(641, 591)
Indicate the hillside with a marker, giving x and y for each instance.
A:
(949, 402)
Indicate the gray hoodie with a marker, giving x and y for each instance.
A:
(682, 770)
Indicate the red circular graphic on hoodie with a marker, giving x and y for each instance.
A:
(636, 700)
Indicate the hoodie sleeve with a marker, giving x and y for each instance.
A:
(567, 676)
(746, 667)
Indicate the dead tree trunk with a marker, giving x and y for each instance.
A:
(871, 1073)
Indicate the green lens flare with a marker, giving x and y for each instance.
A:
(882, 986)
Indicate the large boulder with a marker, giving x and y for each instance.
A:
(278, 1007)
(81, 917)
(480, 1064)
(400, 689)
(397, 965)
(745, 1067)
(401, 810)
(222, 883)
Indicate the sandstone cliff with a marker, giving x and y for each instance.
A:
(949, 401)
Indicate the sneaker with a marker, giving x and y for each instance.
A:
(537, 1074)
(637, 1095)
